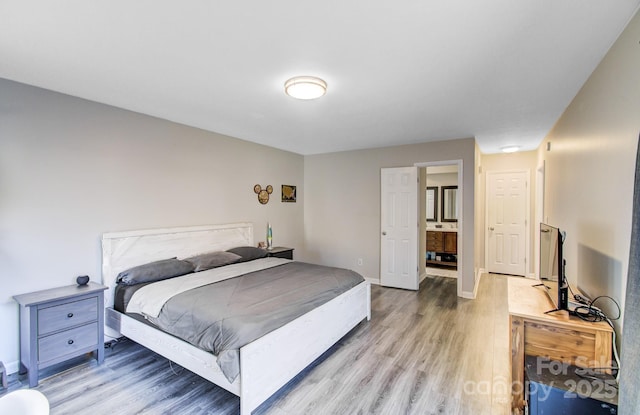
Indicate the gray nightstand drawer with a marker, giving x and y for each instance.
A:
(67, 342)
(71, 314)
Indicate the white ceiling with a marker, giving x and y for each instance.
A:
(399, 72)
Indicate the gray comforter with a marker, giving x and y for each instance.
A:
(224, 316)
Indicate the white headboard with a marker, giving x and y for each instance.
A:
(123, 250)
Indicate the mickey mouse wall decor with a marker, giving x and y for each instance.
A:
(263, 194)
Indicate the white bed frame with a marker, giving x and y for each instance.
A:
(267, 363)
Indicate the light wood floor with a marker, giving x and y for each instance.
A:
(422, 353)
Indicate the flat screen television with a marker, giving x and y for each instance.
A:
(552, 266)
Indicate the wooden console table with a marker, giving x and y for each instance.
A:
(556, 335)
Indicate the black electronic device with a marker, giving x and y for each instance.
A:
(82, 280)
(553, 266)
(558, 388)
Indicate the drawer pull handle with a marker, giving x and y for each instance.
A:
(70, 315)
(70, 342)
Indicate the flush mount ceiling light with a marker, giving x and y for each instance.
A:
(305, 87)
(510, 149)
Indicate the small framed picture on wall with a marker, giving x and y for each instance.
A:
(288, 193)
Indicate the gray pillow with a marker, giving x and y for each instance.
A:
(212, 260)
(154, 271)
(248, 253)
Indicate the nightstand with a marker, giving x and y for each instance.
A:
(281, 252)
(59, 324)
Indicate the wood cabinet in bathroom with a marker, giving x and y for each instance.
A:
(445, 245)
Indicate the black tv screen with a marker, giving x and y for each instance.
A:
(552, 265)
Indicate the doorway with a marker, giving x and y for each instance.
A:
(441, 220)
(403, 207)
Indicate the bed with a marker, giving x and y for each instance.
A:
(266, 363)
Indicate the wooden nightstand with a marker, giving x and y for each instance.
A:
(281, 252)
(58, 324)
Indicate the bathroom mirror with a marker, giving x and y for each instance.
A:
(432, 203)
(449, 205)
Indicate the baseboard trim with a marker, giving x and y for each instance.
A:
(422, 277)
(477, 284)
(468, 295)
(372, 281)
(472, 295)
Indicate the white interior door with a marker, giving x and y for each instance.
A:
(399, 227)
(507, 201)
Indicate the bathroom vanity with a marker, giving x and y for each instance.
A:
(445, 246)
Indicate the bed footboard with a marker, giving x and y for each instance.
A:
(268, 363)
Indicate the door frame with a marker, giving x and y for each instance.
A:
(527, 232)
(460, 204)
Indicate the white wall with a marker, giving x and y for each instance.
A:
(71, 170)
(590, 171)
(342, 203)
